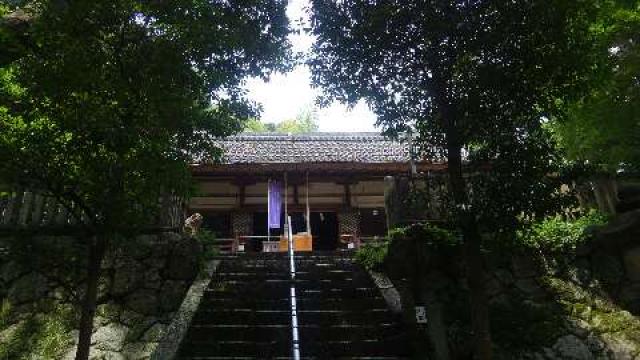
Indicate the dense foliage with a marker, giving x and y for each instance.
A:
(106, 96)
(372, 255)
(559, 235)
(407, 245)
(487, 66)
(207, 241)
(603, 127)
(104, 104)
(305, 122)
(475, 80)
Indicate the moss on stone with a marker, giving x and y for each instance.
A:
(41, 336)
(137, 330)
(602, 316)
(5, 314)
(109, 311)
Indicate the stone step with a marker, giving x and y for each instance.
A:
(250, 316)
(315, 349)
(283, 286)
(337, 274)
(318, 267)
(304, 303)
(202, 333)
(245, 311)
(234, 349)
(222, 282)
(239, 332)
(288, 357)
(312, 291)
(395, 347)
(226, 303)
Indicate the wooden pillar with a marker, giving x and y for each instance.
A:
(51, 208)
(15, 207)
(38, 207)
(347, 195)
(241, 194)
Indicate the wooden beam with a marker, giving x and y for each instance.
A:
(314, 169)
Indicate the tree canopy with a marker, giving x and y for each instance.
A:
(603, 128)
(491, 70)
(474, 79)
(104, 96)
(305, 122)
(103, 104)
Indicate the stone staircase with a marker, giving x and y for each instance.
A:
(245, 311)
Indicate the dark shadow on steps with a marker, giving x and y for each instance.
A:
(245, 311)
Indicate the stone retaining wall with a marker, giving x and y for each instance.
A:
(580, 305)
(143, 284)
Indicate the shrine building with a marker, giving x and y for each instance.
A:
(335, 188)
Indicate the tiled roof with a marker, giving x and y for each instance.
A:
(272, 148)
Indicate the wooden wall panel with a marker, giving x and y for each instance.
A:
(368, 187)
(323, 189)
(255, 200)
(256, 189)
(367, 201)
(212, 187)
(325, 200)
(225, 195)
(219, 202)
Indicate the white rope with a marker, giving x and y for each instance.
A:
(294, 303)
(308, 208)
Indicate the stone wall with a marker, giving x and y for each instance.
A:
(580, 305)
(143, 283)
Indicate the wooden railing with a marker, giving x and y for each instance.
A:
(225, 245)
(29, 209)
(32, 209)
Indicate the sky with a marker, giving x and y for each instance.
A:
(285, 95)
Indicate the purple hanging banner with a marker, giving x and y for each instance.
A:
(275, 204)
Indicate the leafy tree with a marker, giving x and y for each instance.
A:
(305, 122)
(471, 77)
(104, 103)
(256, 126)
(603, 128)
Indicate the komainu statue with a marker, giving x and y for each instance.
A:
(192, 224)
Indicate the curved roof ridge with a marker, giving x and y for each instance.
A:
(312, 136)
(360, 147)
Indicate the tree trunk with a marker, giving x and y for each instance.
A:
(606, 194)
(96, 253)
(472, 253)
(436, 326)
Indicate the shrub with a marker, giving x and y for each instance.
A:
(372, 255)
(207, 240)
(559, 235)
(406, 241)
(5, 314)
